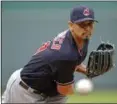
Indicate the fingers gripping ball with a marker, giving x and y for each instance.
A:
(84, 86)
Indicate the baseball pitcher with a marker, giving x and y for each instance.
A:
(49, 75)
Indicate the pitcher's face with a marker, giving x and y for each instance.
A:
(83, 30)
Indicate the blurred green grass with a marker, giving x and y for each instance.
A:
(98, 96)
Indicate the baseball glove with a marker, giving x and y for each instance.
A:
(101, 60)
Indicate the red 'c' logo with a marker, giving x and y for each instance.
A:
(86, 12)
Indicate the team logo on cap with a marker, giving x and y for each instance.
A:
(86, 12)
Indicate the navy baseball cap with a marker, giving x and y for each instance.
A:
(82, 13)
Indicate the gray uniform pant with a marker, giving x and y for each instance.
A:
(15, 93)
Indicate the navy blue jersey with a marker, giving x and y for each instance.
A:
(54, 63)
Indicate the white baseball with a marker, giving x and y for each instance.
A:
(84, 86)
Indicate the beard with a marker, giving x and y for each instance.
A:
(86, 39)
(87, 36)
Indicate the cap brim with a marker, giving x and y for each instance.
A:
(85, 19)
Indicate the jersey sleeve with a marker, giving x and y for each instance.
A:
(65, 72)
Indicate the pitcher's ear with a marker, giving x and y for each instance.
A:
(70, 25)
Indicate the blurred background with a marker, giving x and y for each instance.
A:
(26, 25)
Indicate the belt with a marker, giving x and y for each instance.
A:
(22, 84)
